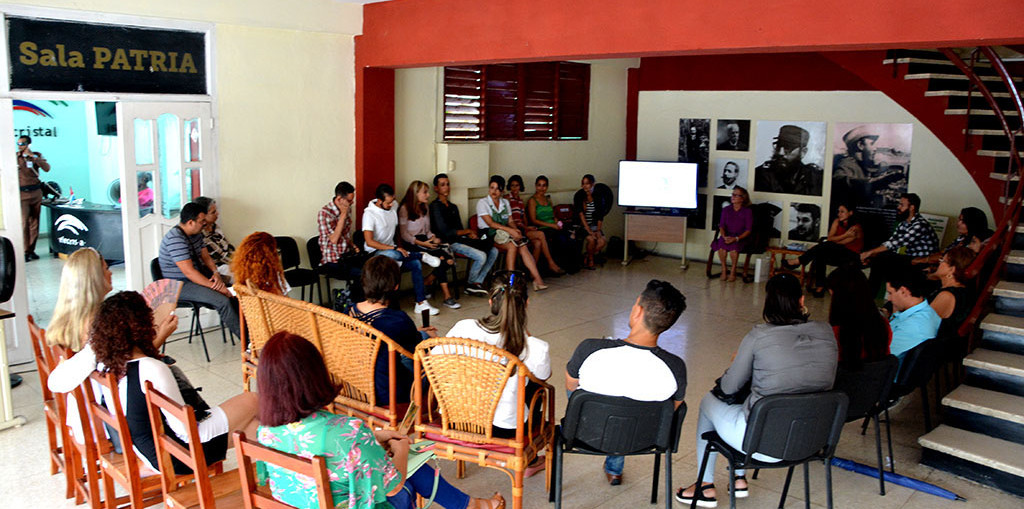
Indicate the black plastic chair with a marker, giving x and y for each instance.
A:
(600, 425)
(796, 428)
(916, 370)
(158, 273)
(868, 388)
(296, 276)
(315, 256)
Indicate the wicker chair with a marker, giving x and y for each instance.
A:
(53, 407)
(467, 378)
(255, 329)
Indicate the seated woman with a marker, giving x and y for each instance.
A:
(972, 233)
(952, 301)
(842, 246)
(591, 214)
(792, 356)
(505, 327)
(367, 468)
(538, 242)
(734, 228)
(122, 336)
(540, 213)
(414, 228)
(257, 261)
(861, 330)
(380, 279)
(494, 214)
(213, 238)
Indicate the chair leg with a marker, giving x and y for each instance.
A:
(700, 475)
(654, 478)
(668, 479)
(807, 486)
(888, 438)
(555, 495)
(517, 490)
(756, 471)
(785, 488)
(202, 337)
(864, 426)
(878, 450)
(828, 482)
(732, 486)
(925, 408)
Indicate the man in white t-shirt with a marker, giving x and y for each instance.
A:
(380, 220)
(634, 367)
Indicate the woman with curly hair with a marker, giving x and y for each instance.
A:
(122, 336)
(256, 260)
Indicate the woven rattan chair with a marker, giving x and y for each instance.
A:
(255, 329)
(53, 407)
(467, 378)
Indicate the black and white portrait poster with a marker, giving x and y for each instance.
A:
(870, 167)
(804, 222)
(698, 219)
(717, 204)
(790, 157)
(733, 135)
(774, 209)
(730, 172)
(695, 145)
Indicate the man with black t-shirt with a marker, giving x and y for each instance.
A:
(634, 367)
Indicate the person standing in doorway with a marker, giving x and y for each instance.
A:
(29, 164)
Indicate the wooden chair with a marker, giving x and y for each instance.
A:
(255, 496)
(125, 469)
(255, 329)
(53, 407)
(221, 490)
(82, 458)
(467, 378)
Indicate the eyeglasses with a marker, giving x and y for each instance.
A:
(22, 143)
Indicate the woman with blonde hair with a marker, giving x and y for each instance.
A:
(84, 281)
(256, 260)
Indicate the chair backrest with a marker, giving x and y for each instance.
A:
(564, 212)
(313, 250)
(292, 315)
(155, 270)
(169, 446)
(289, 250)
(350, 348)
(111, 414)
(473, 224)
(867, 386)
(467, 377)
(314, 468)
(45, 361)
(617, 425)
(254, 315)
(917, 368)
(793, 427)
(761, 230)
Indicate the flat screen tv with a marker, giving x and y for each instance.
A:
(658, 185)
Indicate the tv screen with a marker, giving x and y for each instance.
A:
(658, 184)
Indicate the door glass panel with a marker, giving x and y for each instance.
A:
(169, 140)
(193, 180)
(193, 147)
(145, 193)
(143, 141)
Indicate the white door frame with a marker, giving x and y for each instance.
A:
(19, 346)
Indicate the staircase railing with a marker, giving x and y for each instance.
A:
(1002, 239)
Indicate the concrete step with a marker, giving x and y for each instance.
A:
(952, 76)
(1015, 256)
(1009, 289)
(1004, 177)
(980, 110)
(995, 370)
(998, 153)
(981, 458)
(988, 412)
(960, 93)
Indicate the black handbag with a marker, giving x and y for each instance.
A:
(736, 398)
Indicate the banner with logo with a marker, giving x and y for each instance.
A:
(88, 57)
(95, 226)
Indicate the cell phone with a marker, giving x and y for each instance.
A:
(522, 241)
(425, 314)
(409, 419)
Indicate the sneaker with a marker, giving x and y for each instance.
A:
(426, 305)
(452, 303)
(475, 289)
(430, 259)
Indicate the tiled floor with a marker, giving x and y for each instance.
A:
(589, 304)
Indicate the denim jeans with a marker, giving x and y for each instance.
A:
(479, 264)
(410, 264)
(422, 483)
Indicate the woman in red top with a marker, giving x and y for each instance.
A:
(842, 247)
(861, 330)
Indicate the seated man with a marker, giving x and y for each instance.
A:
(446, 223)
(913, 320)
(634, 367)
(183, 257)
(339, 255)
(214, 240)
(380, 220)
(914, 237)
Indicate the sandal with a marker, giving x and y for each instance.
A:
(539, 463)
(790, 265)
(744, 491)
(702, 500)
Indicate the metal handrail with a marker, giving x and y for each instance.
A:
(1002, 239)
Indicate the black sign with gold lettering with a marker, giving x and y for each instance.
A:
(85, 57)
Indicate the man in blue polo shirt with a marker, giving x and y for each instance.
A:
(913, 321)
(183, 257)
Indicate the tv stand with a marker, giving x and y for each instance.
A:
(651, 228)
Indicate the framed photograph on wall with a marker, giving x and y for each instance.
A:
(804, 222)
(698, 219)
(870, 167)
(775, 209)
(695, 145)
(790, 156)
(730, 172)
(733, 135)
(717, 204)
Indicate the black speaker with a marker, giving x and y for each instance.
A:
(6, 269)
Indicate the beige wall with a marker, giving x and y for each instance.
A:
(418, 116)
(935, 174)
(284, 104)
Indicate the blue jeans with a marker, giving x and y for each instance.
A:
(410, 264)
(479, 264)
(422, 483)
(614, 464)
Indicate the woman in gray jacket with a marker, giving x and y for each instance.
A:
(786, 355)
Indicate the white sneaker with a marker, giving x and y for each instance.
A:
(430, 259)
(425, 305)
